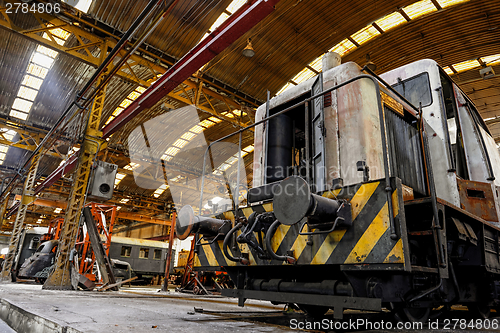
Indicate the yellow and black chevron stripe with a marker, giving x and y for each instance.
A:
(367, 241)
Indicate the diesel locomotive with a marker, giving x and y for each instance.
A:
(368, 192)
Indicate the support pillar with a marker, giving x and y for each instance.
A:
(27, 198)
(3, 209)
(60, 278)
(169, 253)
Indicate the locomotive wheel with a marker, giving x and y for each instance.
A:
(417, 315)
(479, 310)
(314, 311)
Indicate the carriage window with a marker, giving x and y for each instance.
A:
(157, 254)
(416, 89)
(126, 251)
(144, 253)
(35, 241)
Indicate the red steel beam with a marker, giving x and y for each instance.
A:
(233, 28)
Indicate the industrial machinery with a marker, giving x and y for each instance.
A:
(367, 192)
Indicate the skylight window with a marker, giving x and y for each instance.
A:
(365, 34)
(180, 143)
(233, 6)
(491, 60)
(343, 47)
(232, 160)
(42, 60)
(447, 3)
(8, 134)
(81, 5)
(27, 93)
(303, 75)
(466, 65)
(37, 71)
(390, 21)
(126, 102)
(419, 8)
(188, 136)
(448, 70)
(317, 63)
(159, 191)
(40, 63)
(22, 105)
(132, 166)
(119, 178)
(124, 200)
(32, 82)
(3, 152)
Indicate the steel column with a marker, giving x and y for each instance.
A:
(169, 253)
(27, 198)
(3, 209)
(61, 276)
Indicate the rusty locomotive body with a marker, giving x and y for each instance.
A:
(367, 192)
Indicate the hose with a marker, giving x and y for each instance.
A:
(269, 249)
(225, 244)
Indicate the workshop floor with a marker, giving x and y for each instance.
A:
(129, 310)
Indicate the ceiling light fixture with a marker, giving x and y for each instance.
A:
(248, 51)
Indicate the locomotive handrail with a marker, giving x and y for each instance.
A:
(375, 81)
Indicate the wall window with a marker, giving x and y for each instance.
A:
(157, 254)
(144, 253)
(126, 250)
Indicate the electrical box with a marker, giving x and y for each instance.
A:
(103, 180)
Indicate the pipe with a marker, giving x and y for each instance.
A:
(325, 287)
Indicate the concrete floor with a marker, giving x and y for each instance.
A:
(131, 310)
(29, 309)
